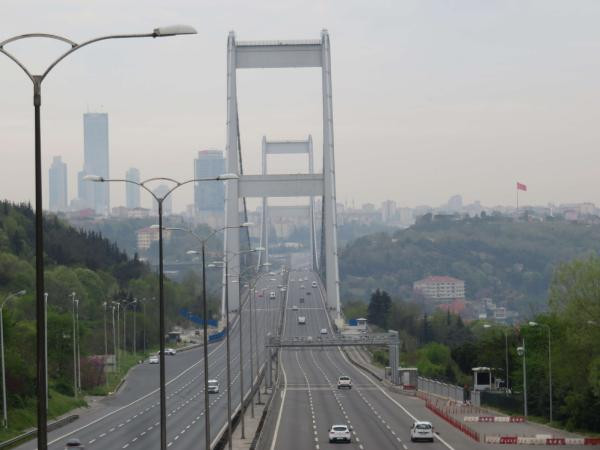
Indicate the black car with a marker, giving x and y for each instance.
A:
(73, 443)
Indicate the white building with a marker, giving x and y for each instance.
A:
(146, 236)
(440, 288)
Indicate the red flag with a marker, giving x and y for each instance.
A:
(521, 187)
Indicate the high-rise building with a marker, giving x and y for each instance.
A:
(57, 178)
(160, 191)
(95, 162)
(209, 196)
(132, 191)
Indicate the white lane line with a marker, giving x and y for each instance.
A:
(280, 413)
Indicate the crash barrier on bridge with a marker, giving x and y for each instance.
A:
(503, 419)
(184, 312)
(434, 387)
(540, 440)
(452, 421)
(33, 433)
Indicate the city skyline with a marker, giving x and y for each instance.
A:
(461, 106)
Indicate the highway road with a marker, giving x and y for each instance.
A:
(311, 402)
(130, 418)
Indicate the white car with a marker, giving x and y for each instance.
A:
(421, 431)
(153, 360)
(314, 284)
(323, 330)
(272, 294)
(170, 351)
(301, 320)
(294, 308)
(213, 386)
(340, 433)
(301, 286)
(344, 381)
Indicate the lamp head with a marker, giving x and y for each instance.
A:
(246, 224)
(533, 324)
(192, 252)
(173, 30)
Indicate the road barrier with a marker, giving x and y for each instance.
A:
(504, 419)
(452, 421)
(440, 389)
(33, 433)
(539, 440)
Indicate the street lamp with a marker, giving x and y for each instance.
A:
(118, 333)
(224, 264)
(487, 325)
(536, 324)
(203, 242)
(42, 414)
(9, 297)
(161, 315)
(76, 362)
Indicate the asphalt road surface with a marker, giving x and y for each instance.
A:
(130, 418)
(311, 402)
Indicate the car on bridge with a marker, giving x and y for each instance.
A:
(295, 308)
(74, 443)
(272, 294)
(213, 386)
(314, 284)
(340, 433)
(301, 320)
(344, 381)
(421, 431)
(323, 330)
(170, 351)
(301, 286)
(153, 359)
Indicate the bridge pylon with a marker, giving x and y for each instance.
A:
(281, 54)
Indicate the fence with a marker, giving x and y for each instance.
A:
(440, 389)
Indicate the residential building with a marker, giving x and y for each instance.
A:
(132, 191)
(388, 211)
(95, 162)
(57, 179)
(440, 288)
(146, 236)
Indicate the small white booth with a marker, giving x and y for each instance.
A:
(482, 378)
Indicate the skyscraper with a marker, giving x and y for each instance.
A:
(95, 162)
(209, 196)
(131, 190)
(58, 185)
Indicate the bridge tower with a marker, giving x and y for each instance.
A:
(288, 147)
(281, 54)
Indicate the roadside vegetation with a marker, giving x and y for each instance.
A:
(443, 347)
(510, 261)
(100, 275)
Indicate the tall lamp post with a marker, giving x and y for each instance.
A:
(42, 414)
(9, 297)
(161, 315)
(547, 327)
(203, 242)
(118, 334)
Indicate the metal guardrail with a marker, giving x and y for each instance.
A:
(33, 433)
(335, 341)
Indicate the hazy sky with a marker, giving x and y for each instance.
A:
(431, 98)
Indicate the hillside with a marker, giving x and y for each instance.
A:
(510, 261)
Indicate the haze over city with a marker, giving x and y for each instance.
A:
(430, 98)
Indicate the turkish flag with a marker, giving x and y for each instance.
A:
(521, 187)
